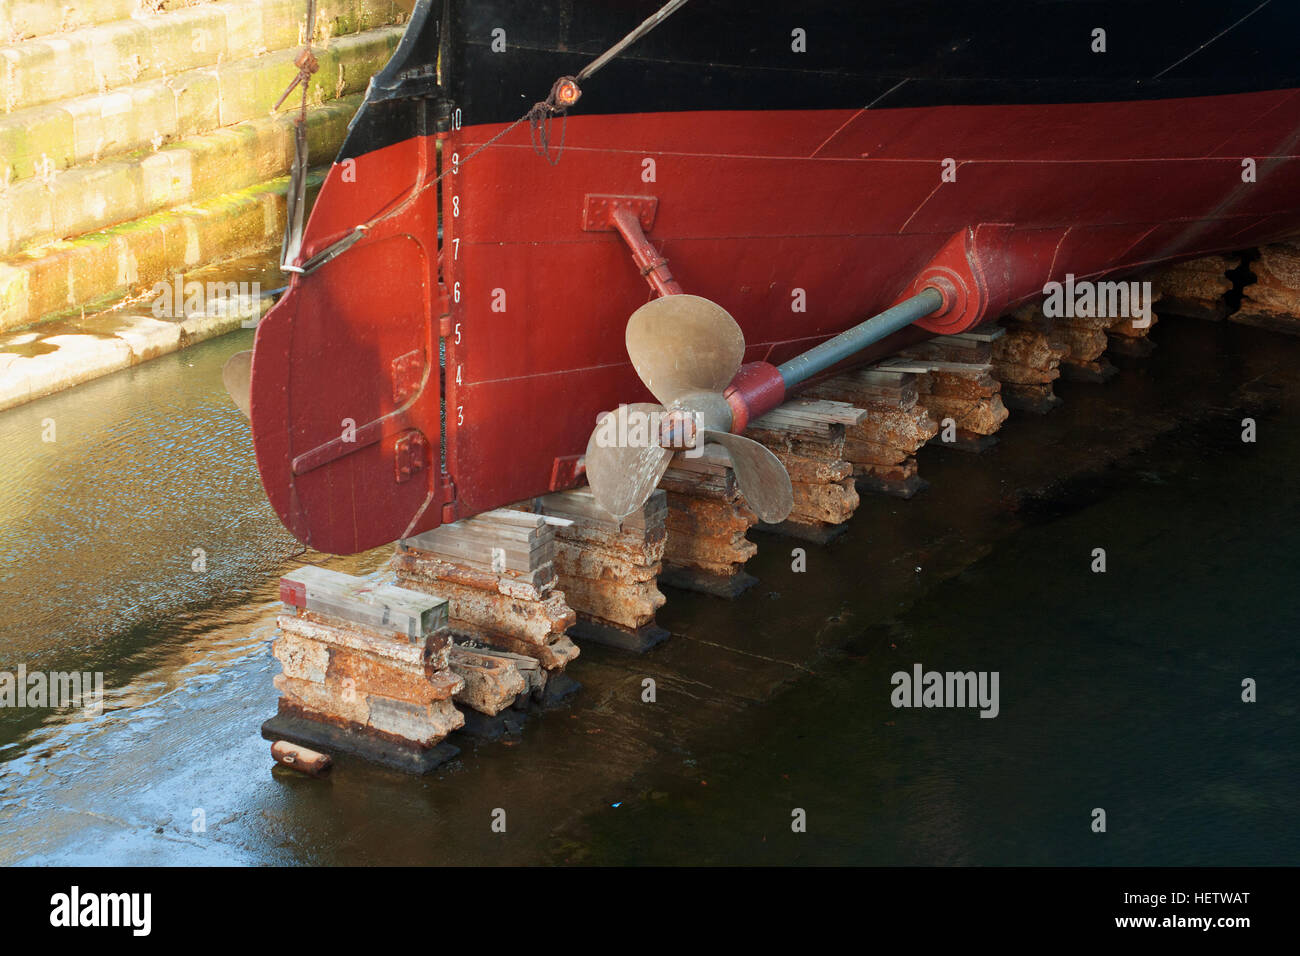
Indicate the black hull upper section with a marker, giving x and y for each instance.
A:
(739, 55)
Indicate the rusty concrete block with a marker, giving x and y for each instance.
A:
(982, 416)
(609, 569)
(1083, 337)
(707, 524)
(634, 546)
(338, 703)
(1272, 301)
(829, 503)
(375, 675)
(814, 470)
(305, 727)
(301, 657)
(488, 612)
(709, 535)
(529, 668)
(336, 632)
(554, 656)
(413, 564)
(1027, 356)
(864, 454)
(1197, 288)
(897, 480)
(970, 384)
(424, 724)
(600, 564)
(421, 723)
(491, 684)
(631, 604)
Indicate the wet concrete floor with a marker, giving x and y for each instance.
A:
(1119, 691)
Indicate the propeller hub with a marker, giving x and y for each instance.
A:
(710, 411)
(679, 428)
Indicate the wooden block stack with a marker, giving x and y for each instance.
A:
(495, 692)
(808, 435)
(1197, 288)
(1133, 336)
(497, 572)
(1083, 337)
(882, 447)
(609, 570)
(1027, 360)
(365, 670)
(957, 386)
(1272, 301)
(707, 523)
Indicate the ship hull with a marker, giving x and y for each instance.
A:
(800, 221)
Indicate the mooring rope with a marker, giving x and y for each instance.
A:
(296, 200)
(565, 91)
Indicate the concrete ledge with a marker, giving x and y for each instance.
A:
(131, 49)
(58, 355)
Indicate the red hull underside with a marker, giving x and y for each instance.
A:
(847, 206)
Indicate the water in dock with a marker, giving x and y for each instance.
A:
(1119, 691)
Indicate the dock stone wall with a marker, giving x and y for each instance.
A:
(138, 140)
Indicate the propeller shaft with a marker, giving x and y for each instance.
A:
(900, 316)
(760, 387)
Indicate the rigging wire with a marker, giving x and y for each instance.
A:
(564, 93)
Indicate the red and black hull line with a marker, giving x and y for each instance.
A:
(473, 359)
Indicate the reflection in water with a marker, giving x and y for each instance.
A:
(151, 469)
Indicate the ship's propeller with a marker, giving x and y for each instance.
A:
(686, 349)
(624, 474)
(237, 375)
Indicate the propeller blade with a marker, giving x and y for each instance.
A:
(238, 376)
(762, 478)
(681, 344)
(624, 459)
